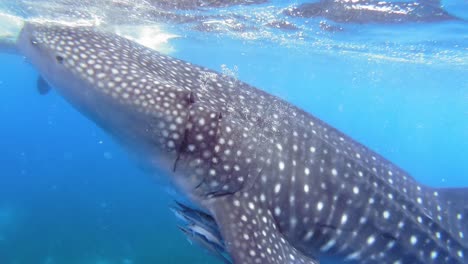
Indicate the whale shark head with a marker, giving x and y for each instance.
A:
(172, 114)
(125, 88)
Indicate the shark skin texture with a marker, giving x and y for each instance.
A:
(267, 182)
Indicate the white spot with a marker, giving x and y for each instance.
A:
(386, 214)
(353, 256)
(281, 165)
(277, 211)
(401, 224)
(344, 218)
(306, 188)
(308, 235)
(355, 190)
(329, 245)
(293, 221)
(334, 172)
(171, 144)
(319, 206)
(277, 188)
(201, 121)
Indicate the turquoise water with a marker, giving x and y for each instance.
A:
(69, 194)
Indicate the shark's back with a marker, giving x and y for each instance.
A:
(329, 194)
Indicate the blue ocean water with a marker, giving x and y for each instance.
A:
(70, 194)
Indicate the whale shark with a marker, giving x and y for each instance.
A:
(260, 180)
(370, 11)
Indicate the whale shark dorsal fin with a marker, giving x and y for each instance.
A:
(251, 233)
(42, 86)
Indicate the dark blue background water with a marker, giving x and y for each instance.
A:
(69, 194)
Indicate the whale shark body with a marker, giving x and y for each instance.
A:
(267, 182)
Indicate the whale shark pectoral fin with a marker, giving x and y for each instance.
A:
(42, 86)
(250, 232)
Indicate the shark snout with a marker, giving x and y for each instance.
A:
(33, 44)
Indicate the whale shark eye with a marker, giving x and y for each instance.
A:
(34, 42)
(59, 59)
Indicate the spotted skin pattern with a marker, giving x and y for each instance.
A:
(281, 185)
